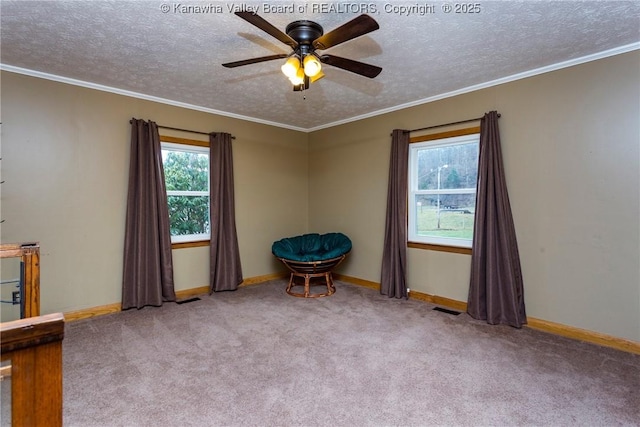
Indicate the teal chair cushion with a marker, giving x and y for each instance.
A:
(312, 247)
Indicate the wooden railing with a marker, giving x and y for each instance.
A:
(34, 347)
(29, 254)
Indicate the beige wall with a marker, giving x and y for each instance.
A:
(65, 160)
(570, 142)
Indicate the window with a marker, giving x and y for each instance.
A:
(186, 172)
(442, 188)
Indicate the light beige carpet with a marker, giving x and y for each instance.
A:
(259, 357)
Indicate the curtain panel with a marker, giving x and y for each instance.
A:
(226, 270)
(393, 282)
(496, 291)
(148, 266)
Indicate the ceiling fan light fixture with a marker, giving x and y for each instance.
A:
(311, 65)
(317, 77)
(291, 67)
(298, 77)
(304, 65)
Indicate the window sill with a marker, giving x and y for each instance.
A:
(183, 245)
(440, 248)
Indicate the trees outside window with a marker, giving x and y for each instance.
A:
(186, 170)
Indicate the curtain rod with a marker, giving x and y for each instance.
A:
(184, 130)
(187, 130)
(447, 124)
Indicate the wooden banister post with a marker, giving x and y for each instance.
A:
(29, 254)
(34, 346)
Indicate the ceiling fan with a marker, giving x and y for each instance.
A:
(303, 65)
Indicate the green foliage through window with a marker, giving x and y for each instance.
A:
(186, 171)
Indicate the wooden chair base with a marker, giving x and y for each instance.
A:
(308, 271)
(307, 285)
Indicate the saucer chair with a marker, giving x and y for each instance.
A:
(311, 257)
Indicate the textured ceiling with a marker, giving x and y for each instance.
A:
(173, 50)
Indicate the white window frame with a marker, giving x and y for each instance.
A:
(195, 149)
(414, 148)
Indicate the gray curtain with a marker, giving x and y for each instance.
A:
(496, 292)
(226, 271)
(393, 282)
(148, 269)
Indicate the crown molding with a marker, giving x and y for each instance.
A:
(138, 95)
(537, 71)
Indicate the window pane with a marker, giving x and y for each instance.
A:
(443, 175)
(453, 219)
(186, 171)
(448, 167)
(188, 214)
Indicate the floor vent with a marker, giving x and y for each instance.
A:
(444, 310)
(184, 301)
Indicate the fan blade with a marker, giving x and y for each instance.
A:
(265, 26)
(357, 27)
(361, 68)
(254, 60)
